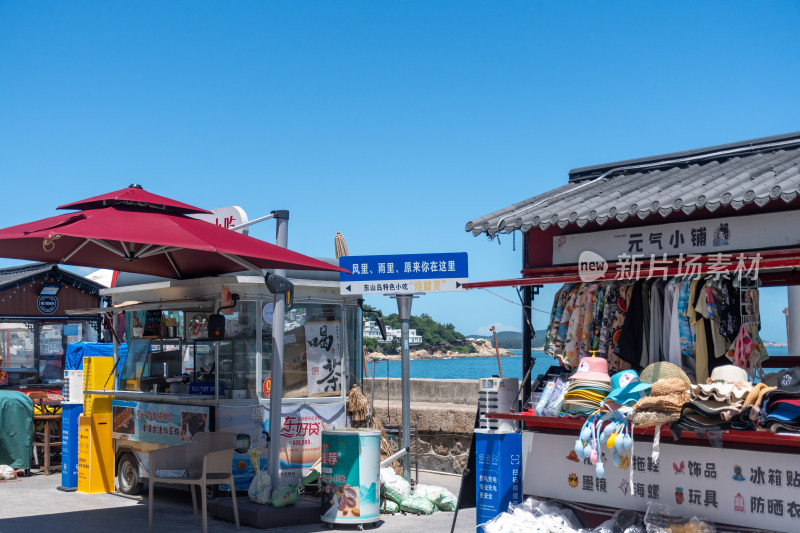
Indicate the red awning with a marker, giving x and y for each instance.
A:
(139, 234)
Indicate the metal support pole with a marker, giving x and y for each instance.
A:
(276, 368)
(404, 310)
(793, 320)
(527, 333)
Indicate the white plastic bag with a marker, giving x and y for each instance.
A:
(442, 498)
(6, 472)
(260, 488)
(395, 487)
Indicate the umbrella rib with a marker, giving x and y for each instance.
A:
(171, 262)
(243, 263)
(159, 250)
(108, 247)
(75, 251)
(142, 250)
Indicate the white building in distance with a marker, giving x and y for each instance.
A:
(371, 330)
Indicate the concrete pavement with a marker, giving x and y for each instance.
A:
(34, 504)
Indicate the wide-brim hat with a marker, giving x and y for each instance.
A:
(720, 391)
(729, 374)
(592, 368)
(626, 387)
(665, 395)
(652, 418)
(712, 408)
(663, 370)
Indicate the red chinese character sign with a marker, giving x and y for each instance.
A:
(301, 436)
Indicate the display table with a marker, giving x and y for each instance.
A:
(747, 478)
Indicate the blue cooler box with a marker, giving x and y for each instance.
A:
(69, 447)
(498, 472)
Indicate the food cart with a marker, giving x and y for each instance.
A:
(177, 380)
(725, 208)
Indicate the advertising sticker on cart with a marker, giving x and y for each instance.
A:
(301, 437)
(157, 423)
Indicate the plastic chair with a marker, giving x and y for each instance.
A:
(207, 460)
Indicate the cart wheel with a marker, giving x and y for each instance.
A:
(128, 475)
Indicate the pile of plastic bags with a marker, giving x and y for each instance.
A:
(425, 499)
(551, 517)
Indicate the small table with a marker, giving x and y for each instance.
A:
(46, 443)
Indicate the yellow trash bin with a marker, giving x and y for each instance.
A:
(95, 454)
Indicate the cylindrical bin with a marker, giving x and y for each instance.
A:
(350, 476)
(69, 445)
(498, 472)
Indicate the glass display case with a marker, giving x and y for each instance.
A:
(154, 365)
(313, 358)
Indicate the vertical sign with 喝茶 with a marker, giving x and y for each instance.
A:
(323, 358)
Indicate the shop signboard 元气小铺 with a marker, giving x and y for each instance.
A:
(157, 423)
(701, 237)
(730, 486)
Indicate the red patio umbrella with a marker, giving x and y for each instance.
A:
(133, 230)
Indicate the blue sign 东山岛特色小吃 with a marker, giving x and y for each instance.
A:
(401, 274)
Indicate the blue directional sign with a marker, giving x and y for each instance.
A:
(403, 274)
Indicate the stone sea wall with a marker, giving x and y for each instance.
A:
(444, 411)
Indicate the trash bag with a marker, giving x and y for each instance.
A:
(285, 496)
(6, 472)
(260, 488)
(395, 487)
(389, 507)
(417, 505)
(442, 498)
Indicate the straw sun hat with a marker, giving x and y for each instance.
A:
(664, 404)
(663, 370)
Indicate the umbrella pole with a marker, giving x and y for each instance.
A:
(497, 350)
(276, 371)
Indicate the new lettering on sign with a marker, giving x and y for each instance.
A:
(404, 274)
(718, 235)
(741, 487)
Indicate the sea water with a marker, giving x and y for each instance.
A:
(480, 367)
(463, 367)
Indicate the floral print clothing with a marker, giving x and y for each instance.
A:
(748, 350)
(587, 326)
(563, 323)
(615, 363)
(609, 310)
(555, 318)
(572, 342)
(729, 311)
(684, 327)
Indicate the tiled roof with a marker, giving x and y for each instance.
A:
(757, 172)
(25, 273)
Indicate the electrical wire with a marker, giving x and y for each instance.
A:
(516, 303)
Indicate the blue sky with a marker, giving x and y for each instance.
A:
(394, 123)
